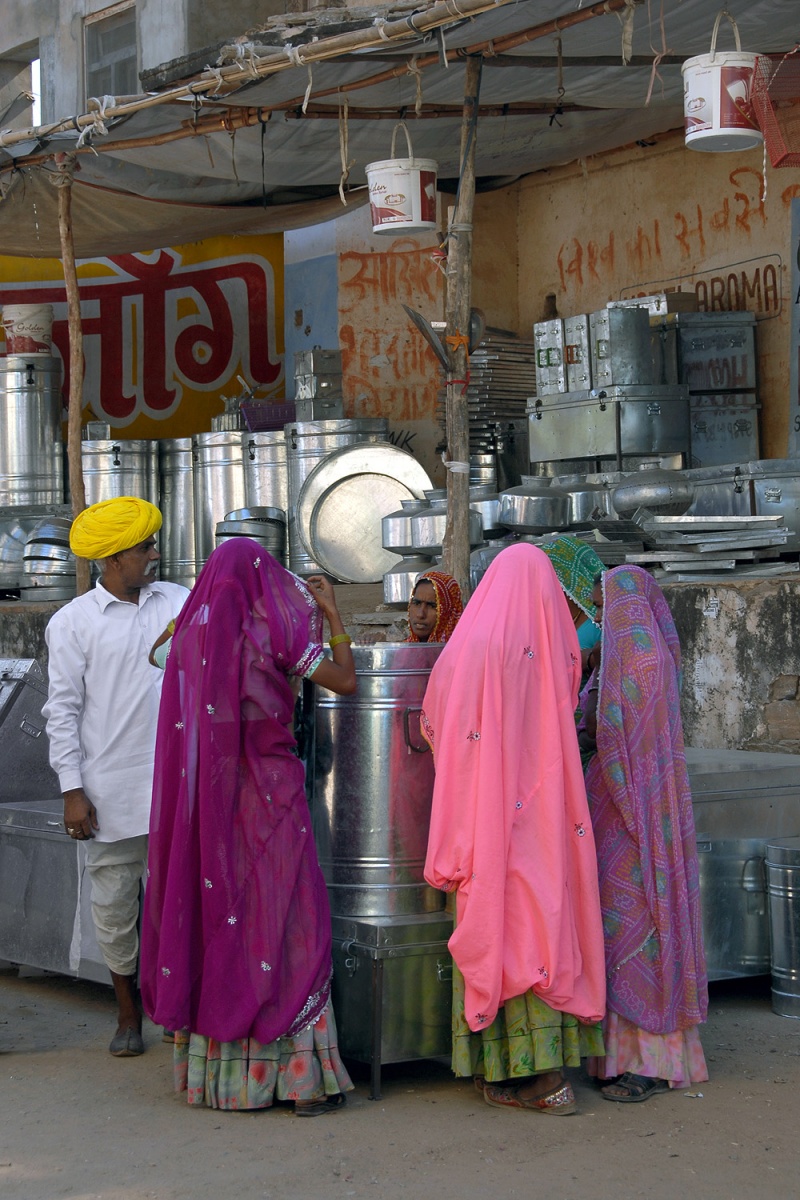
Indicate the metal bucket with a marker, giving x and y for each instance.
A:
(267, 526)
(733, 896)
(30, 431)
(307, 444)
(399, 580)
(265, 475)
(783, 887)
(120, 468)
(372, 785)
(176, 501)
(218, 485)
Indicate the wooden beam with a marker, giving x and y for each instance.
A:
(455, 546)
(66, 165)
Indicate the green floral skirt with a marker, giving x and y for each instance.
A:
(526, 1038)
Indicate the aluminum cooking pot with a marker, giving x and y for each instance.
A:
(532, 509)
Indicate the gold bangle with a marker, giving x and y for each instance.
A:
(340, 639)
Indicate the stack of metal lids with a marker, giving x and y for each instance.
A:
(686, 547)
(48, 564)
(502, 377)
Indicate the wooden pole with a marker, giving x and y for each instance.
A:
(66, 166)
(455, 547)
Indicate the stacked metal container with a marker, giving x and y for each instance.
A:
(598, 403)
(176, 501)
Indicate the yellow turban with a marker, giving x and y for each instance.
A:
(113, 525)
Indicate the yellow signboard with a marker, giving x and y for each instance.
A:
(167, 334)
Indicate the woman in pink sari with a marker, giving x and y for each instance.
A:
(236, 938)
(641, 804)
(511, 836)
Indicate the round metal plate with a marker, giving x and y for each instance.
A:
(343, 501)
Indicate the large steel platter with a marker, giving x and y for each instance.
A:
(343, 501)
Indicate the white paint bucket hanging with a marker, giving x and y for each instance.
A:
(402, 191)
(717, 110)
(28, 328)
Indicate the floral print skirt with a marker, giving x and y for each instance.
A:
(526, 1038)
(246, 1074)
(677, 1057)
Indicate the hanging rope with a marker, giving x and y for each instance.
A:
(415, 70)
(626, 20)
(344, 135)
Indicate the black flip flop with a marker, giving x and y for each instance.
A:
(639, 1087)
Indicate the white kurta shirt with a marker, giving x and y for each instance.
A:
(102, 704)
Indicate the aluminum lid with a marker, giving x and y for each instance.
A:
(783, 852)
(343, 501)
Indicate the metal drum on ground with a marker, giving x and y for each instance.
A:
(372, 785)
(114, 468)
(783, 888)
(265, 474)
(307, 444)
(176, 501)
(30, 431)
(218, 485)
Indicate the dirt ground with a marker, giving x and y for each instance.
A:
(78, 1123)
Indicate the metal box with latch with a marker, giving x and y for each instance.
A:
(392, 988)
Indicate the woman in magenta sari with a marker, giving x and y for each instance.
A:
(510, 835)
(641, 805)
(236, 939)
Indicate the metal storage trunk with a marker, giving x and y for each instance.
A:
(120, 468)
(724, 428)
(610, 423)
(45, 909)
(620, 347)
(577, 354)
(716, 351)
(392, 989)
(741, 800)
(776, 491)
(548, 341)
(27, 774)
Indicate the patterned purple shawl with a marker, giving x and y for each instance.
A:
(236, 937)
(641, 805)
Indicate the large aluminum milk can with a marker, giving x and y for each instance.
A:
(372, 785)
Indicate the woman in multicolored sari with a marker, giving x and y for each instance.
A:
(641, 805)
(577, 567)
(511, 836)
(236, 939)
(434, 607)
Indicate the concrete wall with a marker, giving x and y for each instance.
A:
(741, 663)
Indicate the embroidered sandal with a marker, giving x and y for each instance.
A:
(558, 1103)
(633, 1089)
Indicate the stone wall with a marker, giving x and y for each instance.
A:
(741, 660)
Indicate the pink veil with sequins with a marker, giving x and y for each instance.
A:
(510, 829)
(236, 937)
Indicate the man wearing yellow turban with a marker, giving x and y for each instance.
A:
(101, 711)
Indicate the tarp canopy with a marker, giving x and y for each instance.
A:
(230, 149)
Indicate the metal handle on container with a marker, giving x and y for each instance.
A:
(538, 410)
(654, 410)
(28, 727)
(115, 449)
(444, 971)
(350, 961)
(251, 450)
(772, 495)
(753, 875)
(423, 749)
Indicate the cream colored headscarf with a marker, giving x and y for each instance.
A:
(112, 526)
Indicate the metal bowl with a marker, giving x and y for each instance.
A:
(531, 509)
(664, 492)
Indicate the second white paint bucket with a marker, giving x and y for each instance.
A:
(717, 110)
(402, 191)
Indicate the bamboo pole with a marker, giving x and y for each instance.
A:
(66, 167)
(455, 546)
